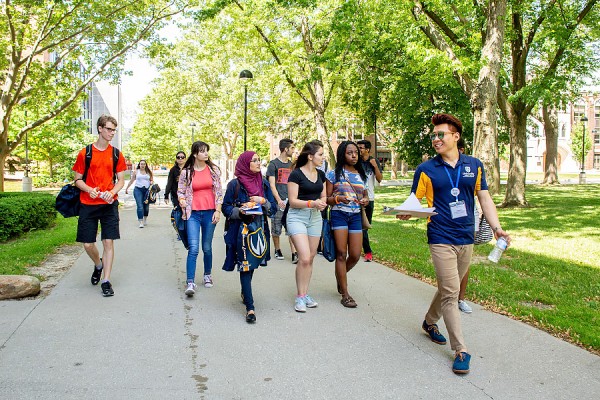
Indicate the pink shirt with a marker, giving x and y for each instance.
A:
(202, 185)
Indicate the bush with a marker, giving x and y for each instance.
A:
(22, 212)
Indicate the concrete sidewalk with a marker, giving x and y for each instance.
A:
(151, 342)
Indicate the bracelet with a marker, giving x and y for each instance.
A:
(308, 203)
(263, 200)
(336, 200)
(496, 228)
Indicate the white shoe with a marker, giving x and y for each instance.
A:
(191, 289)
(141, 224)
(208, 283)
(464, 307)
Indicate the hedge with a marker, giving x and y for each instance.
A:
(22, 212)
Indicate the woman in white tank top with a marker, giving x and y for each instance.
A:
(143, 178)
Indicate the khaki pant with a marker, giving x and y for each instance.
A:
(451, 263)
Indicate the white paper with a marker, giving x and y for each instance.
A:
(411, 206)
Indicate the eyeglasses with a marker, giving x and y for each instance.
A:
(255, 160)
(438, 135)
(180, 157)
(110, 129)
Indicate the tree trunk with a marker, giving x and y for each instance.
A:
(394, 164)
(319, 116)
(517, 171)
(2, 161)
(550, 117)
(484, 99)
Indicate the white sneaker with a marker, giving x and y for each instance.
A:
(208, 283)
(191, 289)
(300, 305)
(141, 224)
(464, 307)
(310, 302)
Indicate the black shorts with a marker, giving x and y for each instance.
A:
(87, 227)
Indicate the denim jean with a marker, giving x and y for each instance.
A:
(200, 222)
(140, 194)
(246, 282)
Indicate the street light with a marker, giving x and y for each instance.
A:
(192, 124)
(26, 183)
(245, 77)
(582, 173)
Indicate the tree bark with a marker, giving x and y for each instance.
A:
(550, 117)
(517, 170)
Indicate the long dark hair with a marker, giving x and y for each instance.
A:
(189, 163)
(340, 161)
(311, 148)
(178, 153)
(147, 169)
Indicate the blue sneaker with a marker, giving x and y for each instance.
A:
(461, 363)
(300, 305)
(310, 302)
(434, 333)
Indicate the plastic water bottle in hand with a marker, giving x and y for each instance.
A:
(496, 253)
(111, 199)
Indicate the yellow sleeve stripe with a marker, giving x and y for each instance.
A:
(478, 181)
(425, 189)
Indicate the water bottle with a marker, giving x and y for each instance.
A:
(283, 208)
(496, 253)
(112, 200)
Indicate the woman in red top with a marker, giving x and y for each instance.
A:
(200, 197)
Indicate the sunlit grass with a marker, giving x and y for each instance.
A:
(550, 276)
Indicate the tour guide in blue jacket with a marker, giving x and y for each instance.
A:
(449, 182)
(249, 185)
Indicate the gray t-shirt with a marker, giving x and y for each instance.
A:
(281, 172)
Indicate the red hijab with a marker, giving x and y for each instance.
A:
(251, 181)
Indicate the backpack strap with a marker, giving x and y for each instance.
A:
(116, 154)
(88, 161)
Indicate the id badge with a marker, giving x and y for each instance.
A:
(458, 209)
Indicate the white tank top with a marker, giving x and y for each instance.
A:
(142, 180)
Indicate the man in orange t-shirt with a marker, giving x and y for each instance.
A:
(99, 201)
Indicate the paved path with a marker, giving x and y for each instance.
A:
(151, 342)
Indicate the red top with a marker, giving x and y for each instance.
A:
(202, 185)
(100, 173)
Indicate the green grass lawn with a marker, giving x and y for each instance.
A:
(549, 277)
(33, 247)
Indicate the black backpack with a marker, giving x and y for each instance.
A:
(67, 201)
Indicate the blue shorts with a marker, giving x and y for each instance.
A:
(307, 221)
(346, 220)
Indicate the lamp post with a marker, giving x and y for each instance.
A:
(192, 124)
(245, 76)
(582, 173)
(26, 183)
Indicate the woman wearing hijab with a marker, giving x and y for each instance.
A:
(248, 189)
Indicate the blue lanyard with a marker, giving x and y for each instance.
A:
(457, 178)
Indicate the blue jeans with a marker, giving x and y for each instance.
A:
(246, 282)
(199, 222)
(140, 194)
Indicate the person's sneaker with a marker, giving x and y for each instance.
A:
(190, 289)
(208, 281)
(141, 224)
(97, 274)
(310, 302)
(294, 258)
(300, 305)
(368, 257)
(434, 333)
(107, 289)
(461, 363)
(278, 255)
(464, 307)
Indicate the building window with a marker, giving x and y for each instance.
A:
(578, 110)
(563, 131)
(596, 136)
(596, 161)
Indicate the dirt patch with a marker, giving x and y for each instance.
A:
(55, 266)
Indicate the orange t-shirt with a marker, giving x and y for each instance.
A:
(100, 172)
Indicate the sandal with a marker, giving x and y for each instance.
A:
(348, 302)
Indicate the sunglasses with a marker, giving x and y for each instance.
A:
(438, 135)
(180, 157)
